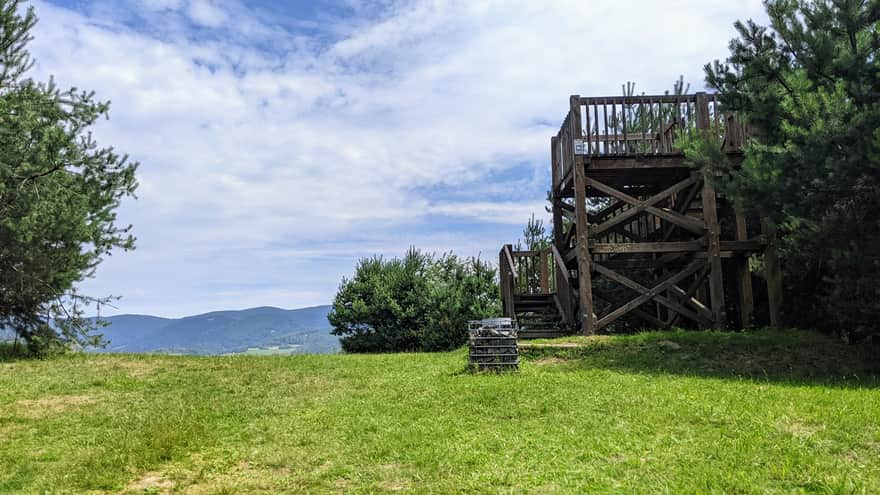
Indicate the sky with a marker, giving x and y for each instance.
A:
(279, 142)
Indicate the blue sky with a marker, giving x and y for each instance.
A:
(281, 141)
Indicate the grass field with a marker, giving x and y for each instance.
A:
(670, 412)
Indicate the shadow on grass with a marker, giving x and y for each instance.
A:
(789, 356)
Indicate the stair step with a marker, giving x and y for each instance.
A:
(540, 333)
(523, 305)
(532, 324)
(533, 297)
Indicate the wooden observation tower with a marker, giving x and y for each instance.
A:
(640, 240)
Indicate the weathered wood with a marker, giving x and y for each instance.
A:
(640, 238)
(772, 273)
(710, 217)
(585, 283)
(746, 299)
(646, 205)
(545, 275)
(647, 294)
(666, 214)
(658, 160)
(648, 247)
(656, 292)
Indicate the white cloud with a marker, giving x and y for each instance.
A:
(244, 150)
(205, 13)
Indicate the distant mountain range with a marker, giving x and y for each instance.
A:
(264, 330)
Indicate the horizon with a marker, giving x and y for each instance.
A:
(281, 143)
(203, 313)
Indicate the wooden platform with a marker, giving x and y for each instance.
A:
(640, 239)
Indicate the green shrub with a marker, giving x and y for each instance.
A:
(416, 303)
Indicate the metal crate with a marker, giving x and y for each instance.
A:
(492, 344)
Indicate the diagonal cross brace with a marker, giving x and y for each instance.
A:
(654, 293)
(647, 205)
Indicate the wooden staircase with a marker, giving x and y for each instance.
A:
(535, 290)
(538, 316)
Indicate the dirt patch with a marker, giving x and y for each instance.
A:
(549, 360)
(151, 482)
(395, 481)
(52, 404)
(395, 485)
(560, 345)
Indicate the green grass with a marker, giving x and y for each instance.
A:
(670, 412)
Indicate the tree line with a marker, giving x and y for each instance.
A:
(807, 84)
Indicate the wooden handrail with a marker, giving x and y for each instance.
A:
(643, 125)
(560, 263)
(510, 264)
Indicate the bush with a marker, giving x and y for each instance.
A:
(417, 303)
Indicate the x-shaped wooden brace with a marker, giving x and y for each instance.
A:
(647, 205)
(655, 293)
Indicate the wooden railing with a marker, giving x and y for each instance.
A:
(564, 294)
(633, 126)
(534, 272)
(507, 280)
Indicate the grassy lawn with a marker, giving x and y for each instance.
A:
(665, 412)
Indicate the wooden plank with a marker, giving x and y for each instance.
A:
(713, 251)
(638, 162)
(656, 292)
(683, 206)
(563, 286)
(746, 298)
(605, 117)
(648, 294)
(691, 294)
(710, 216)
(554, 164)
(614, 122)
(772, 273)
(592, 100)
(671, 216)
(545, 275)
(585, 283)
(647, 247)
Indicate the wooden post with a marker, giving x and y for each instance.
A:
(502, 282)
(558, 232)
(746, 298)
(710, 216)
(585, 280)
(772, 273)
(545, 275)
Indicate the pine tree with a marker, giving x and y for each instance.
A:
(808, 86)
(58, 196)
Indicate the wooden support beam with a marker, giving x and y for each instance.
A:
(690, 294)
(638, 162)
(545, 274)
(710, 216)
(648, 294)
(683, 205)
(585, 281)
(746, 298)
(671, 216)
(772, 273)
(640, 313)
(648, 247)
